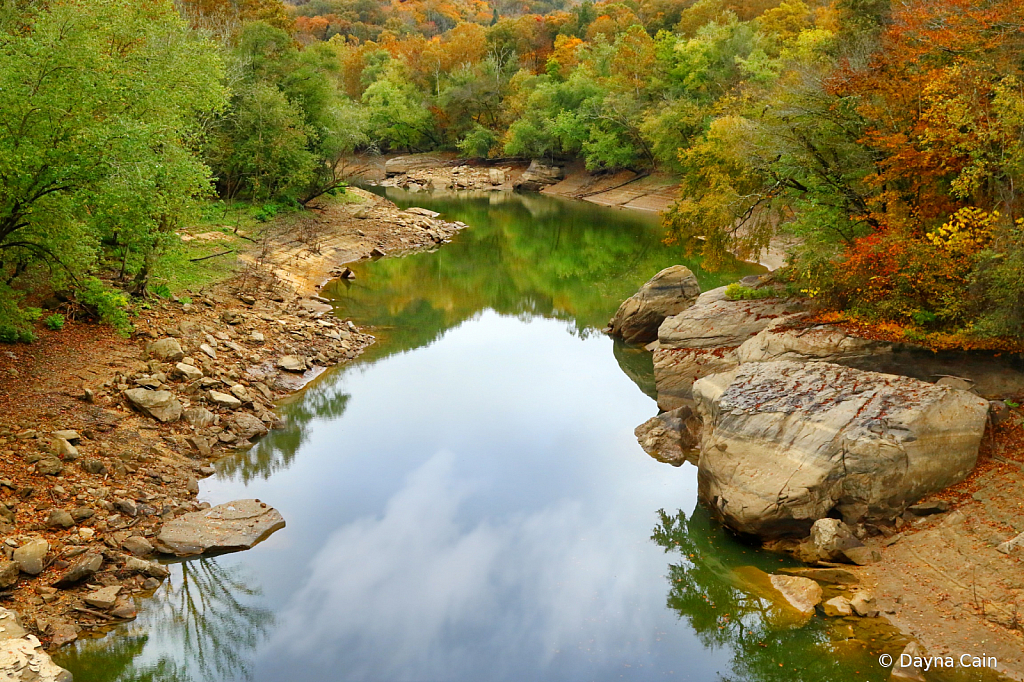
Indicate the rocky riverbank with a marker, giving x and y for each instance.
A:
(104, 439)
(907, 479)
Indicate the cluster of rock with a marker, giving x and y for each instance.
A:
(416, 227)
(784, 436)
(420, 172)
(96, 503)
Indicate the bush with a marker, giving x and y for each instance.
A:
(32, 314)
(54, 322)
(109, 305)
(738, 292)
(161, 290)
(8, 334)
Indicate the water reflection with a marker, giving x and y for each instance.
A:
(204, 624)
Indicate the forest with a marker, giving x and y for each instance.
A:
(884, 142)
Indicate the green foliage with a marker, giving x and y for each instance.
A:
(104, 146)
(161, 290)
(109, 305)
(32, 314)
(478, 143)
(185, 300)
(54, 322)
(738, 292)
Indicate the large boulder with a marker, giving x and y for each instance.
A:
(669, 292)
(819, 342)
(671, 437)
(784, 444)
(22, 657)
(224, 528)
(715, 321)
(675, 370)
(160, 405)
(538, 176)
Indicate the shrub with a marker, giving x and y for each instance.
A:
(109, 305)
(32, 314)
(8, 334)
(54, 322)
(738, 292)
(161, 290)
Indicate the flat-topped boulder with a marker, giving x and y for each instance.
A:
(22, 657)
(715, 321)
(817, 342)
(785, 444)
(669, 292)
(400, 165)
(225, 528)
(160, 405)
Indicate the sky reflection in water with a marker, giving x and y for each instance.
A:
(476, 508)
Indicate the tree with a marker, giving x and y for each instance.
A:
(99, 104)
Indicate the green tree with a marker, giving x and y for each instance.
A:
(99, 103)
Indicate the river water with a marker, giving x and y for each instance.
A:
(467, 502)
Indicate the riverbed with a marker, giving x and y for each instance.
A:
(467, 501)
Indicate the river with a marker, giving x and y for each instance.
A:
(467, 502)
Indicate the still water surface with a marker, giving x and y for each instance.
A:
(467, 502)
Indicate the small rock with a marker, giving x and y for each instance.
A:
(126, 507)
(94, 466)
(831, 537)
(65, 450)
(247, 426)
(160, 405)
(231, 317)
(862, 556)
(150, 584)
(929, 508)
(68, 435)
(347, 273)
(257, 337)
(225, 400)
(103, 598)
(803, 594)
(148, 568)
(62, 634)
(208, 349)
(911, 672)
(138, 545)
(199, 417)
(59, 518)
(188, 372)
(166, 350)
(84, 567)
(192, 486)
(240, 392)
(49, 466)
(292, 363)
(863, 604)
(30, 556)
(9, 571)
(957, 383)
(838, 606)
(1010, 545)
(248, 299)
(124, 608)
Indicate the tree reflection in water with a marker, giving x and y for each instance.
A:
(208, 613)
(707, 593)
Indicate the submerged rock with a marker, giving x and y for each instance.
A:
(669, 292)
(227, 527)
(785, 444)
